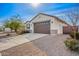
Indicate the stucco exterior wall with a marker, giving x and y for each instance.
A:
(57, 25)
(54, 24)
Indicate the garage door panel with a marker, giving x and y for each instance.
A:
(42, 27)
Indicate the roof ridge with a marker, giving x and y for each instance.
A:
(55, 17)
(50, 16)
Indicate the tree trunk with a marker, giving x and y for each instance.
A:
(74, 32)
(11, 30)
(16, 30)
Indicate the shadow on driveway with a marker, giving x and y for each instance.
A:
(53, 45)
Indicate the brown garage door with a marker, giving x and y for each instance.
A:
(42, 27)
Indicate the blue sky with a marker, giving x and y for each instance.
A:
(27, 11)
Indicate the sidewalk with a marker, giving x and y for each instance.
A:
(11, 42)
(17, 40)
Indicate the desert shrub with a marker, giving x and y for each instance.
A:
(22, 31)
(76, 33)
(71, 34)
(71, 43)
(27, 31)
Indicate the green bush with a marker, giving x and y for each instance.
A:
(0, 30)
(76, 33)
(71, 43)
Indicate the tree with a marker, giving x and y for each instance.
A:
(7, 24)
(14, 23)
(73, 16)
(1, 29)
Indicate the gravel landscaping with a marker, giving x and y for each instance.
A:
(18, 45)
(26, 49)
(54, 45)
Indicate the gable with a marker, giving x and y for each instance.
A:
(40, 18)
(44, 17)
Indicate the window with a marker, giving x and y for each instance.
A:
(28, 26)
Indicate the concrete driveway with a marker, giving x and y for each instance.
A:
(33, 36)
(7, 43)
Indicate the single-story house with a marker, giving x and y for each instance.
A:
(48, 24)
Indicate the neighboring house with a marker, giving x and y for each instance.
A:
(48, 24)
(7, 30)
(27, 25)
